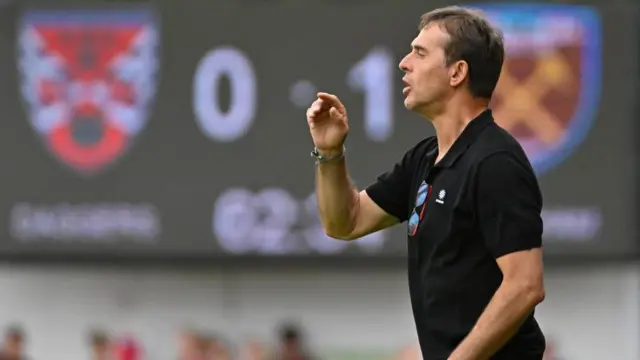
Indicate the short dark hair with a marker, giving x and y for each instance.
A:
(473, 40)
(290, 332)
(15, 332)
(98, 337)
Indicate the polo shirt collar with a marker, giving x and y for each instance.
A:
(470, 133)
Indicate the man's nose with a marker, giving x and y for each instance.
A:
(404, 64)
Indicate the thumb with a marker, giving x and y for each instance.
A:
(334, 113)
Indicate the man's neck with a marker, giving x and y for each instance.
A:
(452, 122)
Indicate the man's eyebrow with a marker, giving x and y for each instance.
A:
(418, 48)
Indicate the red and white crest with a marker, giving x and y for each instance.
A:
(88, 79)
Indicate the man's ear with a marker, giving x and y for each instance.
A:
(458, 73)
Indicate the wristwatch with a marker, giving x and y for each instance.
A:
(320, 159)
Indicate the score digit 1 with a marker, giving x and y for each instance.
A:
(373, 75)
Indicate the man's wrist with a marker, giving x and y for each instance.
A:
(327, 155)
(330, 153)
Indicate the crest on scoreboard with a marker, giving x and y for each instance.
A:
(88, 79)
(548, 92)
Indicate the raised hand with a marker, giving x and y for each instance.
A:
(328, 124)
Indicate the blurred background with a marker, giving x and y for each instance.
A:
(157, 190)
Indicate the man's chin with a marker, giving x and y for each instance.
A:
(411, 105)
(408, 104)
(416, 107)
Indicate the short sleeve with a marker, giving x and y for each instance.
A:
(390, 191)
(509, 204)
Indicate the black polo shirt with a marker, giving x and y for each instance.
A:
(480, 202)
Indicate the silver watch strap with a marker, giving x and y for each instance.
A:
(320, 159)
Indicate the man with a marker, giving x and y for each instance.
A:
(128, 348)
(292, 346)
(214, 348)
(469, 195)
(100, 343)
(190, 345)
(13, 344)
(253, 350)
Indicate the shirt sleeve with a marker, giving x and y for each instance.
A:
(391, 191)
(509, 204)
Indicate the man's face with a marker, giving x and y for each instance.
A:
(291, 348)
(254, 351)
(189, 345)
(426, 74)
(13, 345)
(216, 350)
(101, 350)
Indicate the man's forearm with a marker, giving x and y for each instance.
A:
(504, 315)
(337, 198)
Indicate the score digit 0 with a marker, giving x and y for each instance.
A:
(373, 76)
(236, 122)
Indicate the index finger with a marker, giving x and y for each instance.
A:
(329, 98)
